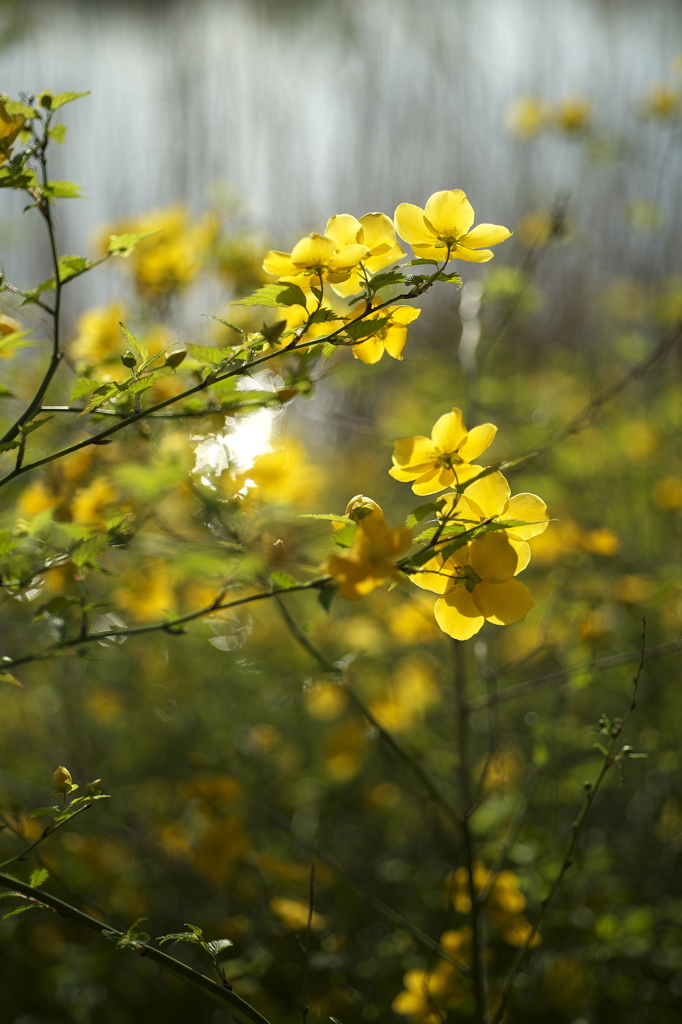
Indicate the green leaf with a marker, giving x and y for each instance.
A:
(65, 97)
(21, 910)
(328, 349)
(366, 328)
(282, 580)
(15, 107)
(62, 190)
(323, 316)
(273, 296)
(11, 340)
(7, 677)
(327, 596)
(344, 537)
(226, 323)
(134, 345)
(386, 279)
(123, 245)
(81, 387)
(37, 877)
(72, 266)
(449, 277)
(35, 293)
(422, 263)
(84, 554)
(28, 428)
(179, 937)
(209, 355)
(218, 945)
(419, 513)
(57, 133)
(101, 395)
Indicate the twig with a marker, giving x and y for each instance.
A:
(591, 790)
(599, 665)
(237, 1005)
(45, 834)
(306, 949)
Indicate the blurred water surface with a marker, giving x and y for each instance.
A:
(311, 108)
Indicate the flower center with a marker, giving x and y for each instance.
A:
(467, 577)
(446, 460)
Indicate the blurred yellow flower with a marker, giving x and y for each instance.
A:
(661, 102)
(477, 586)
(10, 126)
(527, 116)
(370, 560)
(632, 589)
(391, 338)
(536, 228)
(373, 230)
(573, 114)
(412, 690)
(324, 701)
(443, 459)
(442, 230)
(147, 591)
(503, 906)
(667, 492)
(99, 334)
(429, 994)
(295, 914)
(89, 503)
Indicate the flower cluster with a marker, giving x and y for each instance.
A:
(530, 115)
(352, 257)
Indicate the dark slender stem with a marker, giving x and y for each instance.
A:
(168, 625)
(46, 833)
(591, 790)
(477, 934)
(398, 748)
(306, 951)
(218, 992)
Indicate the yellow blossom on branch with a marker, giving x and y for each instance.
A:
(370, 559)
(442, 230)
(373, 230)
(503, 906)
(391, 338)
(10, 126)
(444, 459)
(477, 585)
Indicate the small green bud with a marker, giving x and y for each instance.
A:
(176, 357)
(46, 101)
(94, 788)
(129, 359)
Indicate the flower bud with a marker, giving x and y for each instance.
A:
(128, 359)
(94, 788)
(360, 506)
(62, 782)
(175, 357)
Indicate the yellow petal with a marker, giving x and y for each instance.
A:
(449, 213)
(485, 234)
(522, 553)
(434, 576)
(530, 509)
(410, 225)
(490, 493)
(437, 253)
(394, 340)
(471, 255)
(493, 558)
(348, 257)
(457, 615)
(279, 264)
(353, 284)
(431, 481)
(369, 351)
(378, 233)
(503, 603)
(379, 261)
(414, 452)
(449, 431)
(313, 251)
(478, 439)
(401, 314)
(343, 229)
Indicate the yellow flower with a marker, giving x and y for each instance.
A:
(62, 782)
(477, 586)
(443, 460)
(573, 114)
(661, 102)
(99, 334)
(527, 116)
(490, 499)
(295, 914)
(373, 230)
(442, 230)
(370, 560)
(503, 905)
(316, 256)
(10, 126)
(391, 338)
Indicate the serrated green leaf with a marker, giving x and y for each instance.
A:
(35, 293)
(7, 677)
(421, 262)
(134, 345)
(57, 133)
(282, 580)
(209, 355)
(81, 387)
(63, 190)
(83, 554)
(179, 937)
(15, 107)
(72, 266)
(385, 280)
(366, 328)
(21, 910)
(37, 877)
(101, 395)
(273, 296)
(449, 277)
(323, 315)
(66, 97)
(226, 323)
(327, 596)
(419, 513)
(28, 428)
(218, 945)
(328, 349)
(123, 245)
